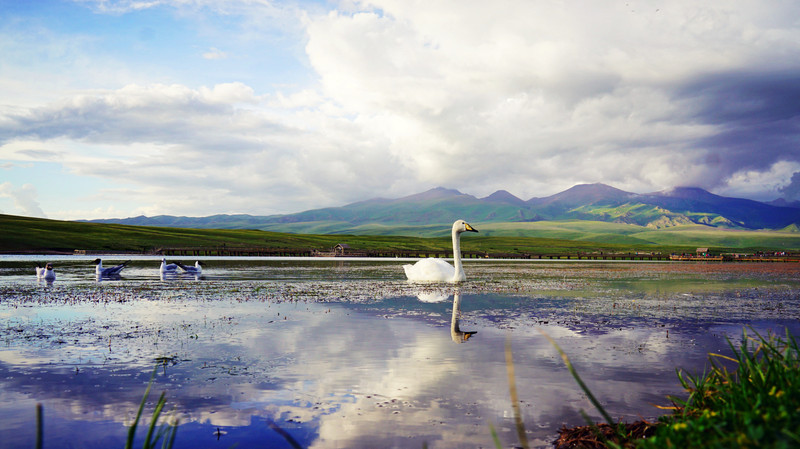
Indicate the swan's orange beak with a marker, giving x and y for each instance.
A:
(469, 228)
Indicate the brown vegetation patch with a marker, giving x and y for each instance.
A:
(595, 437)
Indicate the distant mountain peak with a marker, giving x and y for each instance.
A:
(440, 205)
(436, 193)
(586, 193)
(781, 202)
(504, 196)
(686, 192)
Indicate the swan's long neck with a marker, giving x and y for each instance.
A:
(459, 274)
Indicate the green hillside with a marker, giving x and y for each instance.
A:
(30, 235)
(628, 235)
(690, 235)
(720, 237)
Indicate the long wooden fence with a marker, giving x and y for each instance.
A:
(308, 252)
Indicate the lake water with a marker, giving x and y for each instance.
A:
(334, 353)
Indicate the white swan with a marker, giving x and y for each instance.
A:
(167, 267)
(110, 271)
(196, 269)
(437, 270)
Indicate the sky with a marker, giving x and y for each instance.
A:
(119, 108)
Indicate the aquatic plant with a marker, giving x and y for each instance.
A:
(755, 405)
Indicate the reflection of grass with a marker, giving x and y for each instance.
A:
(756, 405)
(512, 389)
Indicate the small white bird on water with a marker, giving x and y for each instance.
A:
(110, 271)
(49, 273)
(438, 270)
(167, 267)
(45, 272)
(196, 269)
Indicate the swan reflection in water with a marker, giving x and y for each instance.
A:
(456, 333)
(434, 296)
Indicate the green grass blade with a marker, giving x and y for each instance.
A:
(149, 443)
(495, 437)
(132, 429)
(577, 378)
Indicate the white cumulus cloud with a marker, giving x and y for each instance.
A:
(25, 199)
(399, 97)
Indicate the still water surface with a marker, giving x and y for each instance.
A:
(346, 354)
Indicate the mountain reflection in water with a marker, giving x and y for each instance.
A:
(347, 354)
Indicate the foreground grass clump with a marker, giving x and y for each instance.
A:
(166, 431)
(156, 431)
(757, 404)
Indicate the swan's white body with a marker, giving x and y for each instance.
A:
(438, 270)
(39, 271)
(196, 269)
(167, 267)
(110, 271)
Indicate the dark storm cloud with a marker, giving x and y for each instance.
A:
(757, 116)
(745, 98)
(792, 191)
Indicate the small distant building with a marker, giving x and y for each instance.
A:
(340, 249)
(702, 252)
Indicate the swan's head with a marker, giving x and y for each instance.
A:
(462, 226)
(49, 266)
(96, 261)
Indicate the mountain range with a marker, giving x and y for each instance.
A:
(441, 206)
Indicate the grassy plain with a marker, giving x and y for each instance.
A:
(28, 235)
(692, 235)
